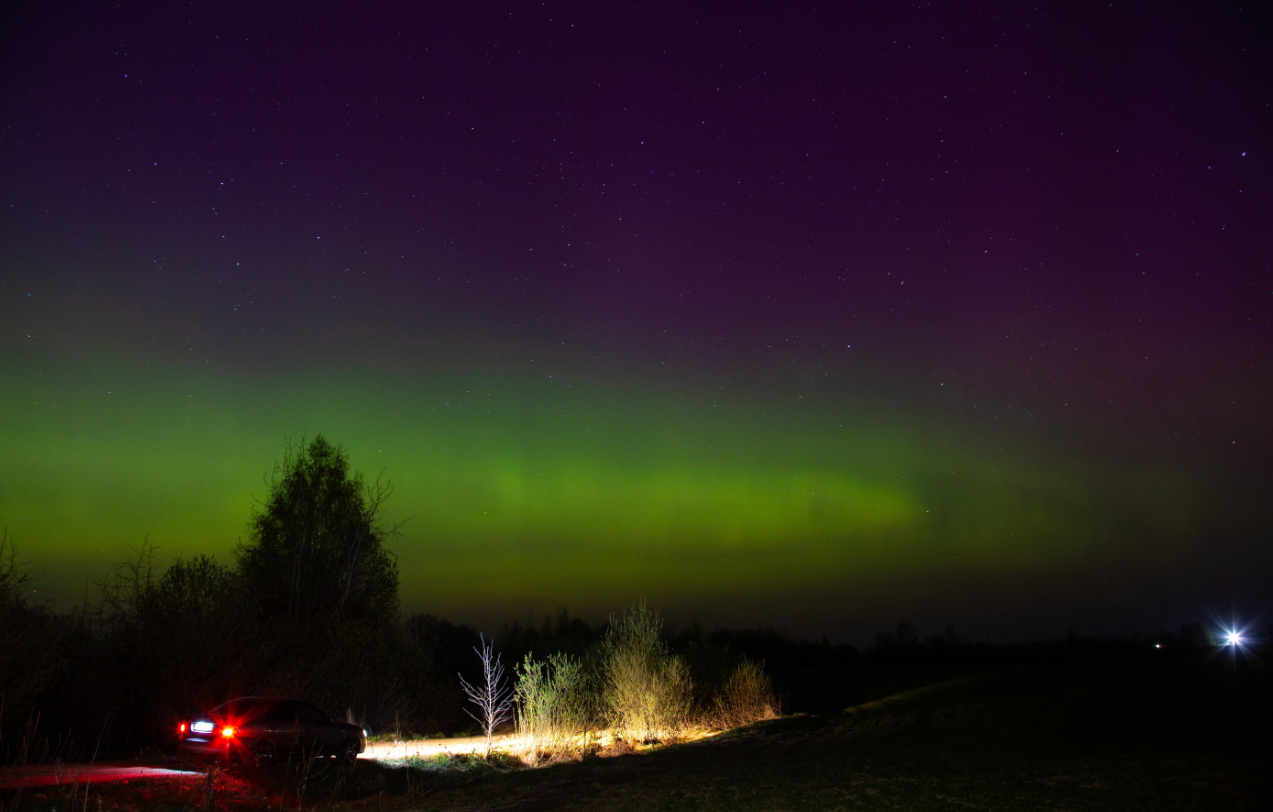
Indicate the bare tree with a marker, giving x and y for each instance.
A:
(493, 697)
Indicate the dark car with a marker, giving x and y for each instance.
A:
(264, 729)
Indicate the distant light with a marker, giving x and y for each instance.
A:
(1233, 638)
(1157, 645)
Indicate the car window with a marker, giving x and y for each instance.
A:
(309, 713)
(282, 712)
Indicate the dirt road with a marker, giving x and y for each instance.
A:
(48, 775)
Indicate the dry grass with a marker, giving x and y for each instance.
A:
(648, 693)
(746, 697)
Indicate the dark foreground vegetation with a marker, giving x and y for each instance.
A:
(309, 608)
(1188, 733)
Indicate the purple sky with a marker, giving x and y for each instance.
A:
(1053, 219)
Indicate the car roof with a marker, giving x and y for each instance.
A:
(251, 702)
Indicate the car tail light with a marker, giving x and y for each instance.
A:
(182, 728)
(228, 732)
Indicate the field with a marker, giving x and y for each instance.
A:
(1171, 734)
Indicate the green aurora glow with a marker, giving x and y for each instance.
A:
(530, 493)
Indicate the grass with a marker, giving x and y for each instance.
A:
(458, 763)
(1170, 735)
(1087, 736)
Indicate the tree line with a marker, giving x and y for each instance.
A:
(309, 608)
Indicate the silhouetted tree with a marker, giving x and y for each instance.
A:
(316, 545)
(31, 646)
(179, 638)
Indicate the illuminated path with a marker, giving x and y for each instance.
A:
(427, 748)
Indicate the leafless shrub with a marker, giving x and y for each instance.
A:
(493, 696)
(747, 696)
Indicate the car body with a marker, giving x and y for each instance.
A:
(264, 729)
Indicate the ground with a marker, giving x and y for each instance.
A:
(1187, 734)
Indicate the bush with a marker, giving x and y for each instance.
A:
(555, 709)
(747, 696)
(648, 690)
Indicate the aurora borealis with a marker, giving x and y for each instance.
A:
(815, 319)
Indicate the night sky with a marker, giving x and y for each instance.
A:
(813, 317)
